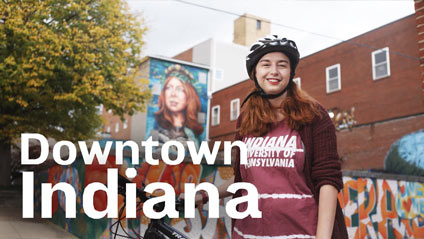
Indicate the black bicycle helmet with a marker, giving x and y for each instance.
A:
(271, 43)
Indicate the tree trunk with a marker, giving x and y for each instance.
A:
(5, 163)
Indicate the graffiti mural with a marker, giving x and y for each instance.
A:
(373, 208)
(80, 175)
(178, 107)
(406, 155)
(382, 208)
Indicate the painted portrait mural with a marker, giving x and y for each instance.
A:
(178, 108)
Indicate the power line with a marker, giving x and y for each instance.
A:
(298, 29)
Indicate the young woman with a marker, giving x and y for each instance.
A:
(179, 105)
(292, 152)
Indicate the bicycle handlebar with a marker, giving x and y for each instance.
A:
(122, 181)
(157, 228)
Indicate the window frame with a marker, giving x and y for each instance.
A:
(327, 80)
(217, 115)
(386, 49)
(231, 109)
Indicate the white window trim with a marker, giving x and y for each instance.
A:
(217, 116)
(387, 62)
(125, 124)
(327, 71)
(117, 127)
(297, 81)
(231, 109)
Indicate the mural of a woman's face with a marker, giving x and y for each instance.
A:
(175, 95)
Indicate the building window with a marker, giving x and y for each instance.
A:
(108, 129)
(125, 125)
(380, 63)
(215, 115)
(117, 127)
(297, 81)
(333, 78)
(258, 24)
(219, 74)
(235, 109)
(99, 109)
(201, 117)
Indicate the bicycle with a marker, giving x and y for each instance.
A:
(157, 228)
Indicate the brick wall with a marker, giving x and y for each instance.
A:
(185, 55)
(374, 100)
(111, 121)
(385, 109)
(226, 128)
(365, 147)
(419, 18)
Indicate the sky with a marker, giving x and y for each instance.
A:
(177, 25)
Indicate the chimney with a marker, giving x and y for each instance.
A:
(249, 28)
(419, 19)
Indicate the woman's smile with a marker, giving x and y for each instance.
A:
(273, 72)
(273, 81)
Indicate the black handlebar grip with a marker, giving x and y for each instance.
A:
(122, 181)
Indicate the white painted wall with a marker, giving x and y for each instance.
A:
(228, 58)
(138, 127)
(231, 60)
(202, 52)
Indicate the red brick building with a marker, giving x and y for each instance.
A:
(113, 126)
(378, 73)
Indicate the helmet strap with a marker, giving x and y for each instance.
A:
(273, 96)
(262, 93)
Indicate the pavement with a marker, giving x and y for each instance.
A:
(13, 226)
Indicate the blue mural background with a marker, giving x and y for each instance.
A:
(406, 155)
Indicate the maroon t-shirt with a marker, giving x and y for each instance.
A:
(275, 167)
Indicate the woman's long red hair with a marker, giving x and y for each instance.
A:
(163, 115)
(258, 115)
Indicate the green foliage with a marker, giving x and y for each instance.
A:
(59, 59)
